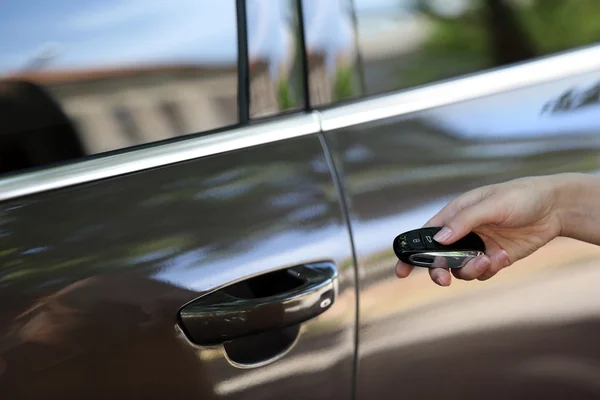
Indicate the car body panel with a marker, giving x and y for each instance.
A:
(529, 331)
(93, 277)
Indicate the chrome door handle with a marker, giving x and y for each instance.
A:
(260, 304)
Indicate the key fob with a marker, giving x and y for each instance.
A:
(417, 247)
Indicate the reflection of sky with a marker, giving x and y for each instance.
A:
(87, 32)
(268, 33)
(328, 24)
(117, 31)
(126, 31)
(96, 33)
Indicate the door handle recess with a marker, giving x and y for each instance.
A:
(263, 303)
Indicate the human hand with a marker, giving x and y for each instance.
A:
(514, 219)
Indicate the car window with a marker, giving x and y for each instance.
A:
(406, 43)
(275, 57)
(331, 50)
(85, 77)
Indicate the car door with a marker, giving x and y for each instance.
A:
(154, 241)
(458, 95)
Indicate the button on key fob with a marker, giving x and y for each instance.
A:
(417, 247)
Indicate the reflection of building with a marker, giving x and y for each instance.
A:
(320, 80)
(116, 108)
(263, 90)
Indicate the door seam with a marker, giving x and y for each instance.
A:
(335, 175)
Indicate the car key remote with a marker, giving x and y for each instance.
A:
(417, 247)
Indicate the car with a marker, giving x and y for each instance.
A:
(198, 199)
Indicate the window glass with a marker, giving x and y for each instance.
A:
(172, 113)
(95, 76)
(331, 48)
(127, 123)
(274, 57)
(404, 43)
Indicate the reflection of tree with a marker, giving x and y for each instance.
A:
(35, 130)
(572, 100)
(493, 33)
(497, 23)
(344, 86)
(508, 39)
(289, 87)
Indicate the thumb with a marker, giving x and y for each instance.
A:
(466, 220)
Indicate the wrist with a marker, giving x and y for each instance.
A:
(573, 197)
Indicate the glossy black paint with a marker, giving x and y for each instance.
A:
(527, 332)
(92, 278)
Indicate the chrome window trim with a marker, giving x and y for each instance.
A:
(485, 83)
(157, 156)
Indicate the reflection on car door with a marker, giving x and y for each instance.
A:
(153, 244)
(93, 276)
(402, 157)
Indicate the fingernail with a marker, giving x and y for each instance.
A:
(482, 264)
(439, 282)
(504, 258)
(399, 273)
(443, 234)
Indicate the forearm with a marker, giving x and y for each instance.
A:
(578, 206)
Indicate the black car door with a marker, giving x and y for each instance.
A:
(457, 95)
(153, 242)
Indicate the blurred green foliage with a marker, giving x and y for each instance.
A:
(284, 95)
(557, 25)
(492, 33)
(344, 86)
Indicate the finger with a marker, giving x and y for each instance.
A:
(445, 214)
(403, 270)
(474, 268)
(439, 272)
(455, 205)
(499, 261)
(466, 220)
(441, 276)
